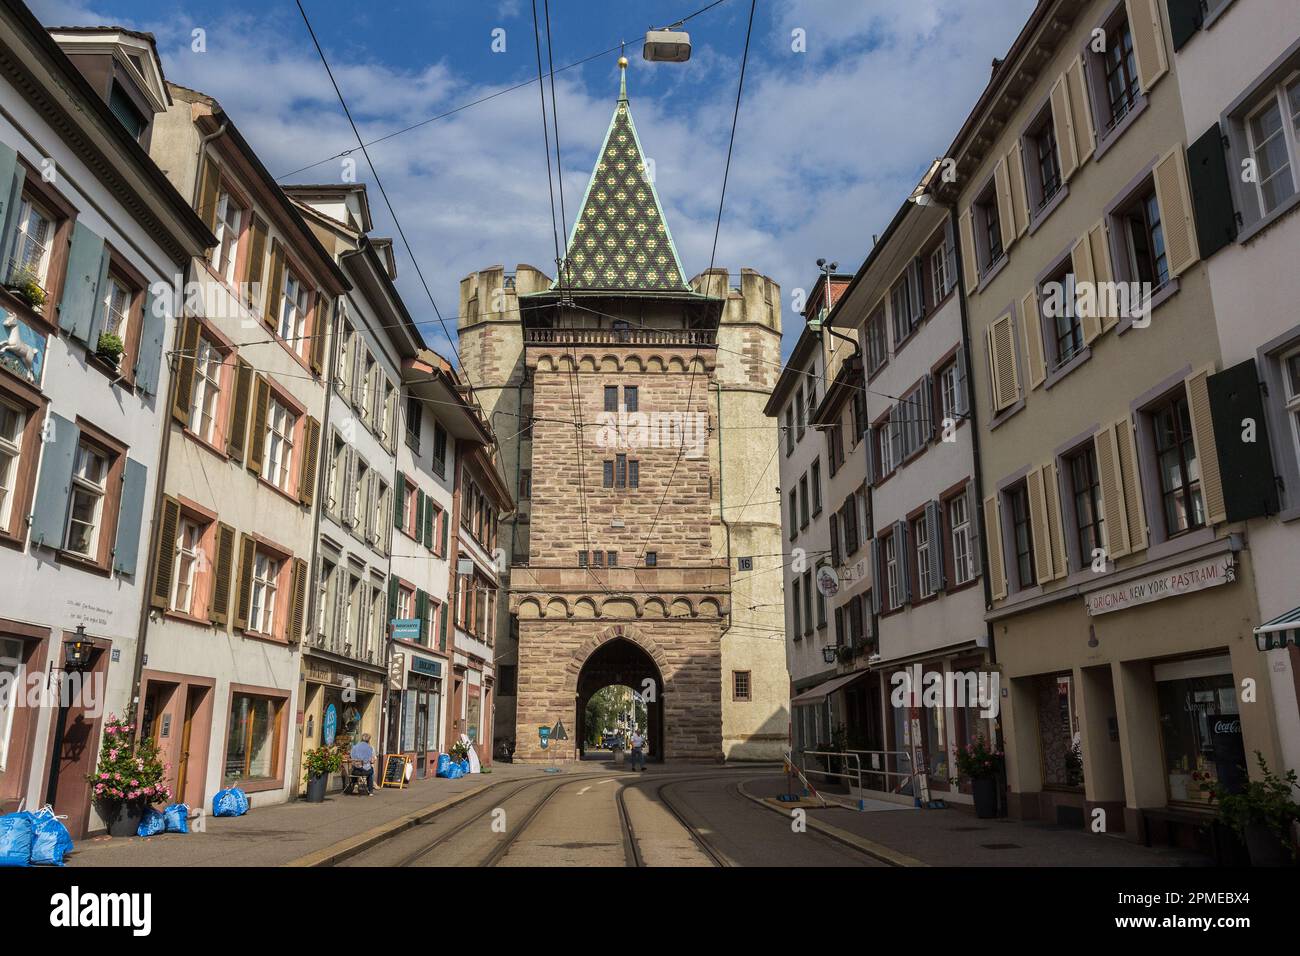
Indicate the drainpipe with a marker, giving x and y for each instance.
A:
(142, 630)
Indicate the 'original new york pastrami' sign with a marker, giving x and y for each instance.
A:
(1183, 580)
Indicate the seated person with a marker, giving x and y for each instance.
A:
(364, 754)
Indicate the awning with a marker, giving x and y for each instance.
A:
(819, 692)
(1278, 631)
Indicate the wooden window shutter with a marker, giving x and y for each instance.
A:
(419, 514)
(1085, 133)
(1209, 180)
(442, 519)
(965, 226)
(430, 514)
(237, 430)
(1085, 301)
(1207, 449)
(1002, 363)
(78, 305)
(1055, 524)
(188, 342)
(1176, 211)
(209, 191)
(1103, 275)
(257, 440)
(244, 594)
(275, 286)
(310, 458)
(993, 535)
(1019, 195)
(399, 501)
(319, 331)
(972, 514)
(130, 517)
(1006, 213)
(392, 595)
(54, 482)
(1042, 542)
(222, 573)
(1031, 328)
(297, 600)
(442, 627)
(1113, 507)
(256, 262)
(422, 615)
(1148, 41)
(1063, 123)
(1128, 470)
(164, 559)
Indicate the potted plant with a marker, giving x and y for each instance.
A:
(24, 284)
(110, 347)
(128, 777)
(320, 763)
(982, 764)
(1262, 814)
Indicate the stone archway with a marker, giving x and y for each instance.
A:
(621, 661)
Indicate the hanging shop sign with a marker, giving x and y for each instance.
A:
(330, 725)
(396, 671)
(1184, 580)
(406, 628)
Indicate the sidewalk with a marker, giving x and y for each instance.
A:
(956, 837)
(286, 833)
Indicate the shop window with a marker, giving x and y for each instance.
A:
(1200, 729)
(253, 738)
(1058, 725)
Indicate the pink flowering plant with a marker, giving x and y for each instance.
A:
(978, 759)
(128, 772)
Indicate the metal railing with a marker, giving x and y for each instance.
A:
(878, 776)
(639, 336)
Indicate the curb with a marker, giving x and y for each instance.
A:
(872, 849)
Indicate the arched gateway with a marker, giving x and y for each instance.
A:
(625, 662)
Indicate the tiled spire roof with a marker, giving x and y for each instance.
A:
(620, 240)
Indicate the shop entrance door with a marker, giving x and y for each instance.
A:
(193, 698)
(421, 733)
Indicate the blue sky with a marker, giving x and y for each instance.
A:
(829, 142)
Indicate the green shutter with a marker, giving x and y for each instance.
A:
(422, 612)
(54, 483)
(81, 283)
(130, 517)
(445, 522)
(392, 596)
(153, 328)
(429, 512)
(442, 625)
(1207, 180)
(1185, 20)
(98, 305)
(399, 499)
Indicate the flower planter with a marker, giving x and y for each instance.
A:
(986, 797)
(316, 788)
(1266, 848)
(123, 819)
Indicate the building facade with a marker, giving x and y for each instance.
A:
(95, 245)
(614, 376)
(237, 534)
(1237, 67)
(343, 663)
(1122, 594)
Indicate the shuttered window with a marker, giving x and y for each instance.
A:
(1004, 375)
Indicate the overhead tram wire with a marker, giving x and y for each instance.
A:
(722, 198)
(480, 100)
(374, 171)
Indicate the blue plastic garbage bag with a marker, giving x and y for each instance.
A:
(177, 818)
(455, 772)
(51, 840)
(464, 765)
(444, 764)
(151, 824)
(16, 833)
(229, 803)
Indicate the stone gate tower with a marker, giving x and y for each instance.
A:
(628, 403)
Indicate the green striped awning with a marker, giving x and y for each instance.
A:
(1277, 632)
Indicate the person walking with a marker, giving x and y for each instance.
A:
(638, 751)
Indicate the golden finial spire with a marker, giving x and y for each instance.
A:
(622, 77)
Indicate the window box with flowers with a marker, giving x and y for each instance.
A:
(129, 777)
(980, 762)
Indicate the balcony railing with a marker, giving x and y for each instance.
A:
(689, 337)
